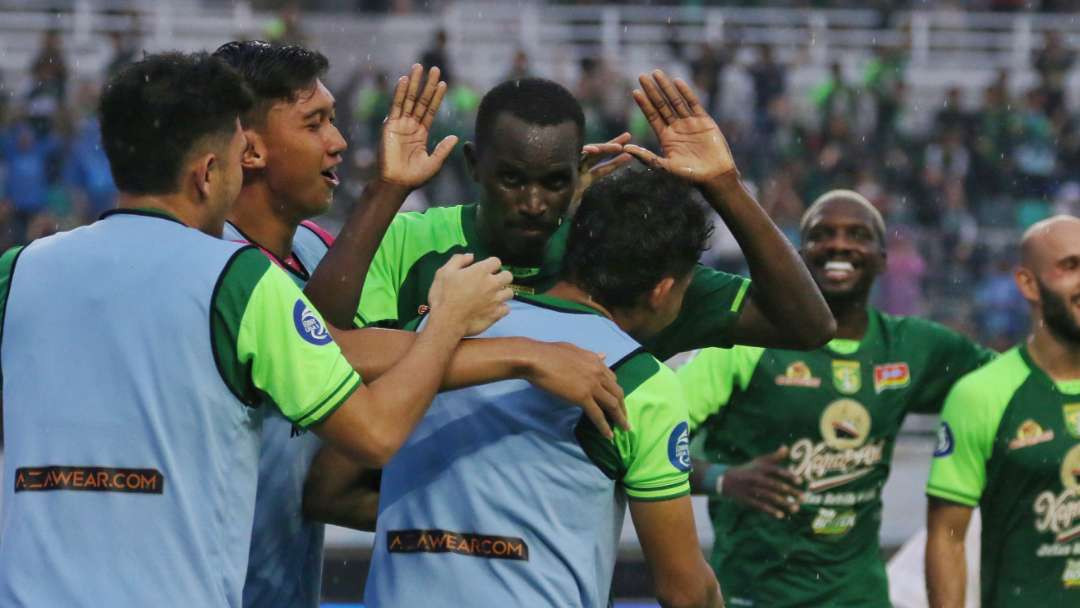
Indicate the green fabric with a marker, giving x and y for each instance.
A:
(417, 244)
(838, 414)
(7, 269)
(261, 348)
(842, 346)
(1010, 443)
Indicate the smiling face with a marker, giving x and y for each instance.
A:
(843, 250)
(303, 149)
(528, 174)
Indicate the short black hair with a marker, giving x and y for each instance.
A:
(154, 112)
(274, 72)
(633, 229)
(537, 101)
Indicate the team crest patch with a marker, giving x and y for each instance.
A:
(845, 425)
(891, 376)
(798, 374)
(1072, 418)
(308, 325)
(679, 447)
(847, 376)
(1030, 433)
(945, 443)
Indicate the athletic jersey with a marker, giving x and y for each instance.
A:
(1010, 443)
(286, 557)
(506, 496)
(838, 410)
(131, 466)
(418, 244)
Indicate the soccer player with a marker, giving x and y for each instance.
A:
(808, 436)
(136, 351)
(1009, 443)
(288, 178)
(501, 497)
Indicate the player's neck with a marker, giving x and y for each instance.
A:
(256, 215)
(630, 321)
(852, 318)
(172, 205)
(1059, 358)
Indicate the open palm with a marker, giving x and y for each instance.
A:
(403, 155)
(693, 146)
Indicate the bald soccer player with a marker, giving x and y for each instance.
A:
(799, 444)
(1009, 443)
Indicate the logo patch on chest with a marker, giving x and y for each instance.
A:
(1072, 418)
(1030, 433)
(847, 376)
(798, 374)
(891, 376)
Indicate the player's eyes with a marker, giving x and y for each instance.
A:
(509, 179)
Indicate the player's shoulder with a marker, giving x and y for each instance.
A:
(310, 227)
(921, 333)
(436, 228)
(994, 384)
(639, 372)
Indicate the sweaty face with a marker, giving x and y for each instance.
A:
(303, 148)
(842, 250)
(528, 174)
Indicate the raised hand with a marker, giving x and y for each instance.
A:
(693, 146)
(403, 156)
(470, 297)
(582, 378)
(592, 169)
(764, 484)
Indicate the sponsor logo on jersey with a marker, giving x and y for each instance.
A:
(678, 448)
(1070, 577)
(830, 522)
(89, 479)
(1060, 512)
(1030, 433)
(843, 455)
(462, 543)
(847, 376)
(308, 324)
(891, 376)
(522, 289)
(945, 443)
(1072, 418)
(798, 374)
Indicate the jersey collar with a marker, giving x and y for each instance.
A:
(523, 275)
(1066, 387)
(847, 348)
(559, 304)
(145, 212)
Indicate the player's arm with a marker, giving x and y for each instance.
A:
(784, 308)
(946, 564)
(340, 492)
(404, 165)
(670, 543)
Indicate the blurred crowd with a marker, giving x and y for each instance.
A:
(955, 183)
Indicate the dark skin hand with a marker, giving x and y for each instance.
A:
(763, 484)
(785, 307)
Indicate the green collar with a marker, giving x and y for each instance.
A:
(847, 347)
(1065, 387)
(522, 274)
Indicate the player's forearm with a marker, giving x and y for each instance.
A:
(337, 283)
(334, 492)
(783, 287)
(373, 352)
(946, 570)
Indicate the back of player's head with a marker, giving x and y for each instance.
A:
(878, 222)
(156, 112)
(274, 72)
(633, 229)
(536, 101)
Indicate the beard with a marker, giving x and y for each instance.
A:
(1056, 316)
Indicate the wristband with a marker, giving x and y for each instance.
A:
(714, 478)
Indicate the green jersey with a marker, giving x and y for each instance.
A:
(417, 244)
(838, 409)
(1010, 443)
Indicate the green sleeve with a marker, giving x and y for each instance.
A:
(710, 377)
(7, 268)
(269, 340)
(655, 454)
(379, 298)
(710, 309)
(969, 423)
(952, 356)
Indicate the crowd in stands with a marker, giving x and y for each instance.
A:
(955, 189)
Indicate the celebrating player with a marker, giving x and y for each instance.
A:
(501, 497)
(289, 177)
(136, 352)
(808, 436)
(1010, 443)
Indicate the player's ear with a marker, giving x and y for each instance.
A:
(255, 154)
(1028, 284)
(660, 293)
(202, 173)
(472, 160)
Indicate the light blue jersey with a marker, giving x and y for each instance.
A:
(505, 496)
